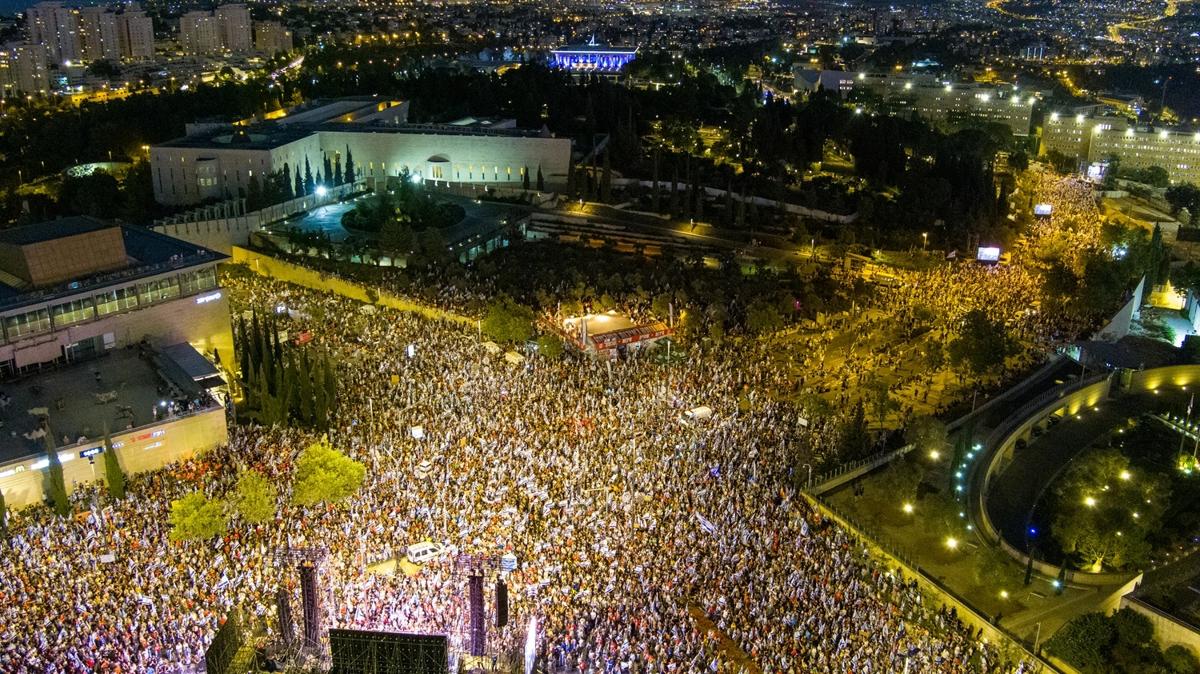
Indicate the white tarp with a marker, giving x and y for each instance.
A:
(699, 413)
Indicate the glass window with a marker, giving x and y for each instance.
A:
(70, 313)
(29, 323)
(113, 301)
(197, 281)
(157, 291)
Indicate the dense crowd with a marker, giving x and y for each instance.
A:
(637, 535)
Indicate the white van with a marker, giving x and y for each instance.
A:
(425, 551)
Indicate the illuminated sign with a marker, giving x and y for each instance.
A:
(211, 297)
(1042, 210)
(988, 254)
(91, 451)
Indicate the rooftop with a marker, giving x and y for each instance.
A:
(120, 389)
(270, 135)
(147, 253)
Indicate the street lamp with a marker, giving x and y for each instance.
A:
(952, 543)
(924, 240)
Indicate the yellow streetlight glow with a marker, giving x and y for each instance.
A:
(1125, 475)
(934, 454)
(1089, 502)
(952, 543)
(908, 508)
(1004, 594)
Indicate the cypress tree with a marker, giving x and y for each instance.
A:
(337, 169)
(525, 178)
(349, 173)
(330, 383)
(298, 185)
(308, 177)
(56, 485)
(306, 393)
(328, 169)
(286, 179)
(113, 475)
(541, 181)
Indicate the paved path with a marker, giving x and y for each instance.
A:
(1017, 491)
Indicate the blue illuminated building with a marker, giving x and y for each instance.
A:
(592, 57)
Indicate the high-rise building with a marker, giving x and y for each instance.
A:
(99, 34)
(24, 69)
(137, 34)
(272, 37)
(234, 21)
(56, 27)
(199, 33)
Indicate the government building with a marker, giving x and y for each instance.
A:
(219, 161)
(942, 104)
(1092, 139)
(106, 328)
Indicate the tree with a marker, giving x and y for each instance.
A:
(1105, 510)
(508, 322)
(196, 517)
(309, 183)
(56, 486)
(1084, 642)
(1184, 195)
(254, 497)
(349, 175)
(97, 195)
(541, 181)
(982, 343)
(926, 434)
(763, 316)
(113, 475)
(855, 436)
(550, 346)
(1180, 660)
(327, 170)
(525, 178)
(325, 474)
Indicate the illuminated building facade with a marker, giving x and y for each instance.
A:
(592, 57)
(1095, 139)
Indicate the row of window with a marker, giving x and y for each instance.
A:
(113, 301)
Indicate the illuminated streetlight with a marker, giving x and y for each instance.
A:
(1125, 475)
(1004, 594)
(908, 508)
(1089, 502)
(934, 454)
(952, 543)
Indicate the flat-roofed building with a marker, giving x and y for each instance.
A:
(77, 287)
(592, 57)
(107, 327)
(1088, 138)
(272, 37)
(220, 161)
(943, 104)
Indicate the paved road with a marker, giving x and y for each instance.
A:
(1017, 491)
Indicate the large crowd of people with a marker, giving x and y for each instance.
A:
(644, 544)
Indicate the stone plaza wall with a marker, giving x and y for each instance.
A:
(138, 450)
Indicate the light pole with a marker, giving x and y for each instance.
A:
(809, 483)
(924, 240)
